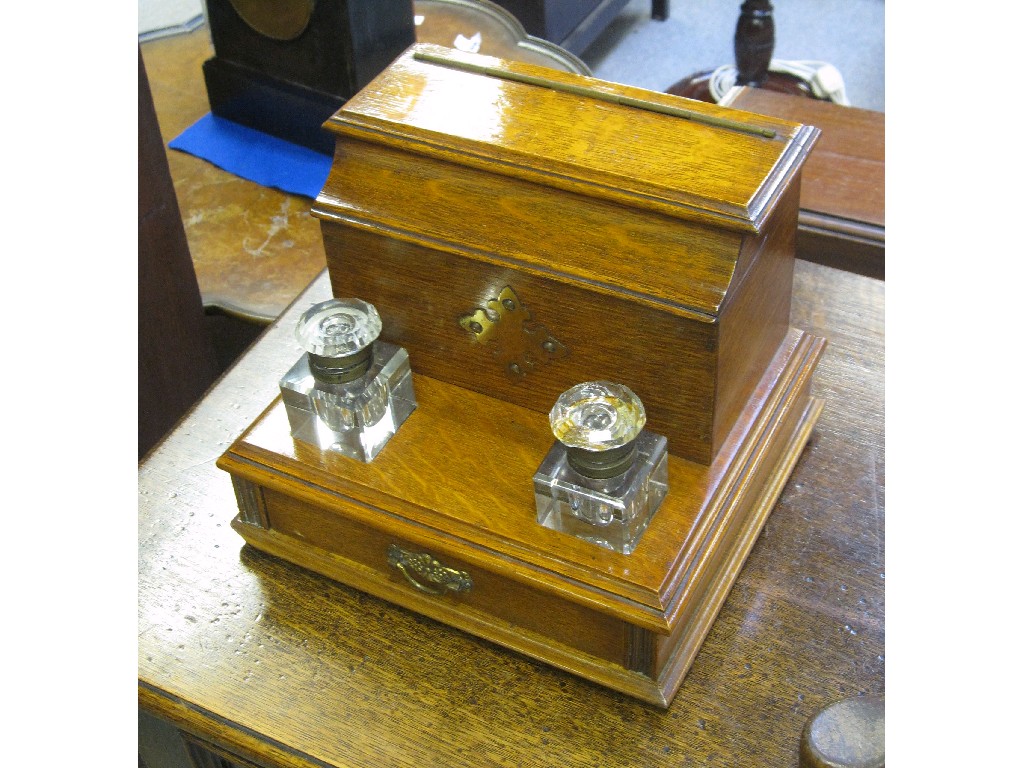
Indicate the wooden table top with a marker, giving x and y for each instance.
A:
(284, 667)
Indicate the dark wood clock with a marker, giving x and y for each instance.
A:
(284, 66)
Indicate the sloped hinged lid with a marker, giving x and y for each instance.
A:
(640, 148)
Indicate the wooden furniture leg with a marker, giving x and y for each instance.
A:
(754, 42)
(753, 45)
(176, 355)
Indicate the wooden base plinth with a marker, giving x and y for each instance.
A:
(283, 109)
(454, 485)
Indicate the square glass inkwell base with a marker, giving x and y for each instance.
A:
(350, 392)
(612, 513)
(605, 476)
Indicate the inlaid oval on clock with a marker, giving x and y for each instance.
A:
(276, 19)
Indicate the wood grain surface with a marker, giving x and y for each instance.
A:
(284, 667)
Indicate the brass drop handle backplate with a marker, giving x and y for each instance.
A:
(426, 573)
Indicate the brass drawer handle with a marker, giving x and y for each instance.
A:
(422, 565)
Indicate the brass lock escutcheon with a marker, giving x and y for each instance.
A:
(426, 573)
(517, 340)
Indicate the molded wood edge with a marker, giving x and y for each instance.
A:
(789, 165)
(329, 208)
(561, 176)
(722, 582)
(826, 224)
(787, 392)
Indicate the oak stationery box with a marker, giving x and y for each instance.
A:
(521, 230)
(466, 190)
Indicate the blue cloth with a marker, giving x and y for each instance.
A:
(256, 156)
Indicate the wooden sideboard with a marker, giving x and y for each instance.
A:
(842, 194)
(270, 665)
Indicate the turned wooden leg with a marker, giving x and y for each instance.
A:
(753, 45)
(754, 42)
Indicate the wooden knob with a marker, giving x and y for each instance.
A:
(847, 734)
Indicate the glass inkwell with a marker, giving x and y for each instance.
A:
(605, 475)
(349, 392)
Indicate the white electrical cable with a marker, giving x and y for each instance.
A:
(823, 79)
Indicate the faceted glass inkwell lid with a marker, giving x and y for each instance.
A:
(597, 416)
(338, 327)
(598, 422)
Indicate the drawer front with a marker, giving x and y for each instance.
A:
(423, 576)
